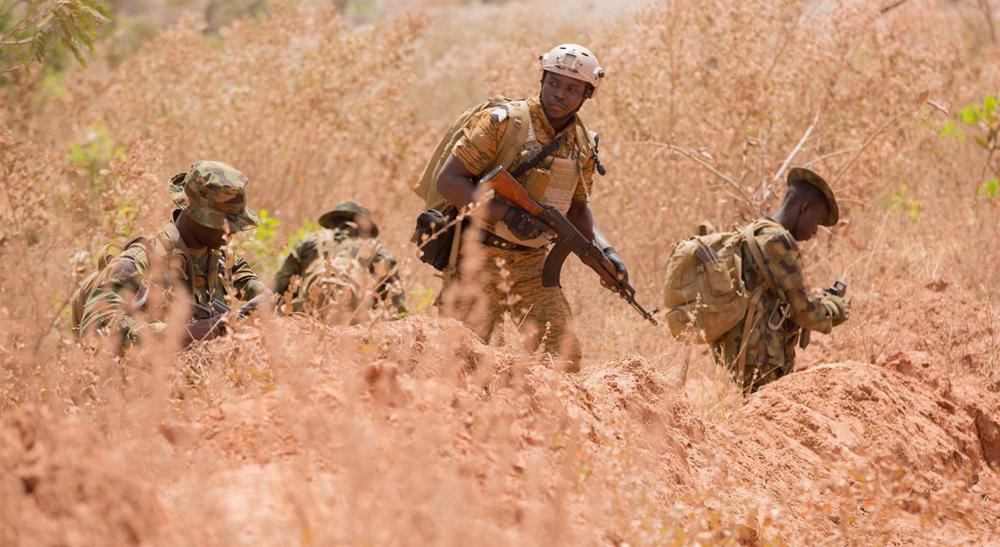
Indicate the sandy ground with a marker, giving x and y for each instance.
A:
(419, 434)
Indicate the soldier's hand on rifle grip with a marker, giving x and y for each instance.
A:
(521, 224)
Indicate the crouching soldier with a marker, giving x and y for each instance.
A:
(761, 348)
(185, 261)
(341, 272)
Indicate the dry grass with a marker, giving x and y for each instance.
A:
(380, 434)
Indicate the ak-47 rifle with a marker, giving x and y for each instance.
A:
(839, 288)
(568, 240)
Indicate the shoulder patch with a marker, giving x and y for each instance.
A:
(122, 269)
(498, 114)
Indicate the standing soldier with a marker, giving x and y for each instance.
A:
(186, 259)
(546, 128)
(761, 348)
(342, 270)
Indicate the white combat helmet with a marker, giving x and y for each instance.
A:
(575, 61)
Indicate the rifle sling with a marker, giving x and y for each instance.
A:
(538, 158)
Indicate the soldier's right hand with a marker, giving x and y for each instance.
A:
(521, 224)
(837, 307)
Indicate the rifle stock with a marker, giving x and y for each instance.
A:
(505, 186)
(569, 240)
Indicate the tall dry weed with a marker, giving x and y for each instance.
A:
(392, 433)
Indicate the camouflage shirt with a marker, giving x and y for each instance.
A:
(770, 347)
(128, 284)
(479, 145)
(339, 256)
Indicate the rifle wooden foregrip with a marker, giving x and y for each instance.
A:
(508, 188)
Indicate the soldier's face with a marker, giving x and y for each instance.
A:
(561, 95)
(810, 217)
(203, 236)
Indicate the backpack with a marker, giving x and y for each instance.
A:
(93, 281)
(704, 293)
(438, 244)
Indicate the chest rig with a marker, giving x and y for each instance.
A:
(553, 182)
(207, 277)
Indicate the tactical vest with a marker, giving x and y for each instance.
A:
(553, 184)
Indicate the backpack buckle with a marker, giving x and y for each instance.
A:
(781, 310)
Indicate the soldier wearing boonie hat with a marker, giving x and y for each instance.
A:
(761, 348)
(342, 272)
(210, 200)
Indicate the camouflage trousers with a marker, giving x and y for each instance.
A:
(770, 353)
(499, 282)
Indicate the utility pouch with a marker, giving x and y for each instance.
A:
(433, 240)
(537, 182)
(720, 279)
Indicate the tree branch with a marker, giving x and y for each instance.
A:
(694, 157)
(798, 147)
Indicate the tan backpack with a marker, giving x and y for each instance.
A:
(510, 147)
(90, 283)
(704, 295)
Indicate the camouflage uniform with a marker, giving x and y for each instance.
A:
(509, 281)
(154, 269)
(335, 271)
(770, 348)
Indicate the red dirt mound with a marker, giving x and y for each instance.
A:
(392, 434)
(861, 447)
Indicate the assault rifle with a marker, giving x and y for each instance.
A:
(568, 240)
(839, 288)
(216, 308)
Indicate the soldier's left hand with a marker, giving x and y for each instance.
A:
(612, 256)
(261, 301)
(837, 307)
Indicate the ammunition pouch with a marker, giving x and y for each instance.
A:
(433, 238)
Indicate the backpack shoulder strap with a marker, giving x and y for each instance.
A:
(519, 132)
(750, 234)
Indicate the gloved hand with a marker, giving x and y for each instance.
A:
(837, 307)
(521, 224)
(263, 301)
(612, 256)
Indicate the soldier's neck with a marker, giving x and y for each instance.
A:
(191, 243)
(558, 125)
(785, 218)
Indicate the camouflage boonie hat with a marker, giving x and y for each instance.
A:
(801, 174)
(214, 194)
(349, 211)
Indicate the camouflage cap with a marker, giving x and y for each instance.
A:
(214, 194)
(349, 211)
(801, 174)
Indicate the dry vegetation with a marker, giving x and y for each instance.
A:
(414, 432)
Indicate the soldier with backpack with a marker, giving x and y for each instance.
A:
(743, 292)
(185, 261)
(342, 271)
(544, 144)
